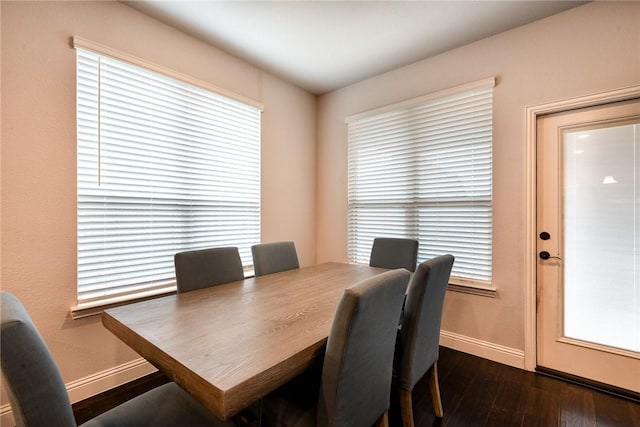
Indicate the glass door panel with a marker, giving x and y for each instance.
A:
(601, 198)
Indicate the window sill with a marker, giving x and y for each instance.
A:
(96, 307)
(484, 291)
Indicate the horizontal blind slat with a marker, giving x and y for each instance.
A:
(425, 171)
(163, 166)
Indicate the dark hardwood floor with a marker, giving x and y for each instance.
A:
(475, 392)
(479, 392)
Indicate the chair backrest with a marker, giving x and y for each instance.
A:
(274, 257)
(207, 267)
(420, 332)
(37, 393)
(358, 363)
(389, 252)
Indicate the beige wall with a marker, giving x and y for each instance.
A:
(39, 154)
(592, 48)
(585, 50)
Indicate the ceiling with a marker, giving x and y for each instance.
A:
(325, 45)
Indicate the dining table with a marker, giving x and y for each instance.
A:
(231, 344)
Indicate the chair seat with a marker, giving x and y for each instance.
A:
(274, 257)
(39, 398)
(296, 403)
(207, 267)
(352, 387)
(165, 406)
(389, 252)
(417, 343)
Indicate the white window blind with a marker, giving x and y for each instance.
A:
(163, 166)
(423, 170)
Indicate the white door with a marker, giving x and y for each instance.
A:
(588, 224)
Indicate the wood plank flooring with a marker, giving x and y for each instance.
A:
(475, 393)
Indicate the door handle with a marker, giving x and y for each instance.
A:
(546, 255)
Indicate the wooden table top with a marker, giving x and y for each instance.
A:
(231, 344)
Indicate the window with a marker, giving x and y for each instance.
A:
(163, 166)
(422, 169)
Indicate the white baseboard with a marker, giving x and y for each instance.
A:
(93, 384)
(108, 379)
(486, 350)
(6, 416)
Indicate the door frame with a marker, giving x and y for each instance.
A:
(531, 117)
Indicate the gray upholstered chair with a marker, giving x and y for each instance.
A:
(38, 396)
(389, 252)
(274, 257)
(354, 386)
(207, 267)
(419, 337)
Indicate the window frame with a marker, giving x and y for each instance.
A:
(458, 283)
(91, 305)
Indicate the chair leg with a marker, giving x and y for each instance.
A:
(434, 387)
(406, 408)
(383, 421)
